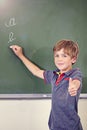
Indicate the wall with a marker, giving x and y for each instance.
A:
(31, 114)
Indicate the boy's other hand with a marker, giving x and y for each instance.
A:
(72, 89)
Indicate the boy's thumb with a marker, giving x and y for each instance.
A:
(70, 81)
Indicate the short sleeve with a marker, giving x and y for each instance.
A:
(48, 75)
(77, 74)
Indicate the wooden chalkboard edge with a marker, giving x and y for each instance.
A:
(32, 96)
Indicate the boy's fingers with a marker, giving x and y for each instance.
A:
(14, 47)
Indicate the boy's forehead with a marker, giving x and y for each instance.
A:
(60, 51)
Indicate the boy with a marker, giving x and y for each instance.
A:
(66, 84)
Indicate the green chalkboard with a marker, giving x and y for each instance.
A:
(36, 25)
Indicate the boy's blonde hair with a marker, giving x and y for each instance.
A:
(70, 48)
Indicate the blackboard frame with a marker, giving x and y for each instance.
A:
(31, 96)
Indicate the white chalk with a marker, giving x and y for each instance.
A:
(10, 46)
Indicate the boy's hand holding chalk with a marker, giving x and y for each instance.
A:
(17, 50)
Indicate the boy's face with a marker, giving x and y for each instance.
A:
(63, 61)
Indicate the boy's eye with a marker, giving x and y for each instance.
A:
(56, 55)
(64, 55)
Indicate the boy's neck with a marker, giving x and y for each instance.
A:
(62, 71)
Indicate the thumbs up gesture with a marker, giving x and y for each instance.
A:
(73, 86)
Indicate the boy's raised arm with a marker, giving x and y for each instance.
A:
(35, 70)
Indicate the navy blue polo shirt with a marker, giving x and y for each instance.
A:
(64, 111)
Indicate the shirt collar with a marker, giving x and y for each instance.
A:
(67, 73)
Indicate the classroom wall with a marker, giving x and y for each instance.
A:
(31, 114)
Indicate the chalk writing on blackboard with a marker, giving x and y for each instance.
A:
(11, 23)
(11, 37)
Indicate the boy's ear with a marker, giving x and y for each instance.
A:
(74, 60)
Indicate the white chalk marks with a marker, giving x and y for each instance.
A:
(11, 37)
(9, 24)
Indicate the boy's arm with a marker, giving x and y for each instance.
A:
(31, 67)
(73, 86)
